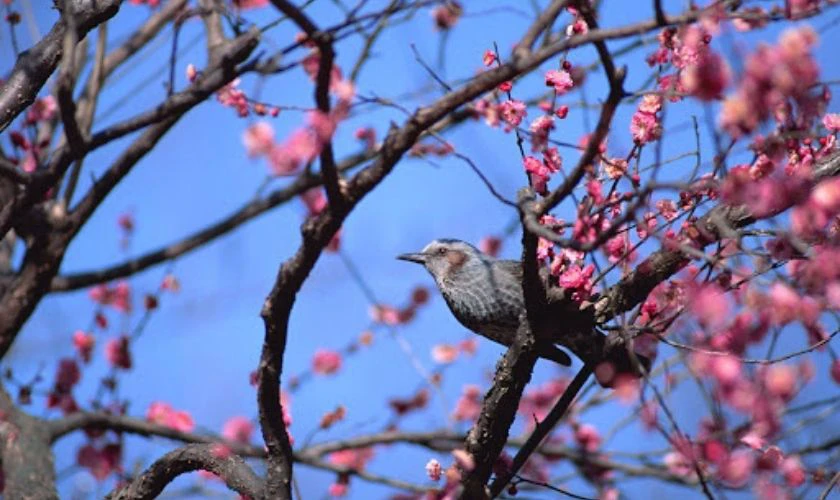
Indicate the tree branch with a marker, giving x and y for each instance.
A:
(35, 65)
(28, 466)
(323, 80)
(233, 470)
(542, 430)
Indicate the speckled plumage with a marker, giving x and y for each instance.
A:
(483, 293)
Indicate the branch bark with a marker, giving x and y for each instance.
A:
(233, 470)
(35, 65)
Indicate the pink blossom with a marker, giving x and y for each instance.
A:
(368, 135)
(326, 362)
(345, 91)
(578, 280)
(552, 159)
(100, 462)
(339, 489)
(42, 109)
(560, 80)
(780, 381)
(67, 375)
(726, 369)
(512, 112)
(831, 121)
(793, 471)
(650, 104)
(250, 4)
(774, 76)
(117, 353)
(489, 58)
(784, 304)
(322, 124)
(465, 461)
(191, 72)
(387, 315)
(614, 167)
(619, 248)
(468, 406)
(221, 451)
(444, 353)
(826, 196)
(83, 342)
(538, 401)
(468, 346)
(355, 459)
(447, 15)
(835, 370)
(770, 459)
(258, 139)
(433, 470)
(233, 97)
(490, 245)
(707, 78)
(736, 470)
(314, 200)
(678, 464)
(238, 430)
(609, 494)
(540, 129)
(539, 172)
(163, 414)
(644, 127)
(648, 415)
(587, 437)
(709, 306)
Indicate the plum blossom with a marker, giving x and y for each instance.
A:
(489, 58)
(831, 121)
(326, 362)
(101, 461)
(83, 342)
(355, 459)
(512, 112)
(446, 15)
(587, 437)
(774, 76)
(707, 78)
(444, 353)
(645, 127)
(163, 414)
(468, 406)
(250, 4)
(117, 353)
(238, 430)
(560, 80)
(433, 470)
(258, 139)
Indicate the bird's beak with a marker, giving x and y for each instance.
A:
(419, 258)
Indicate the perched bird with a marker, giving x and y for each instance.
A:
(485, 295)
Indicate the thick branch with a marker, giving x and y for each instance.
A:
(28, 467)
(542, 430)
(35, 65)
(233, 470)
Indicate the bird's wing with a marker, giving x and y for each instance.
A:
(512, 267)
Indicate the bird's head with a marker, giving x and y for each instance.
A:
(446, 258)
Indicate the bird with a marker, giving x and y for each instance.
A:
(485, 295)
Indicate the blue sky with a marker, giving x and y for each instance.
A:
(199, 348)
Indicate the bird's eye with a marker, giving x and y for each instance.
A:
(441, 251)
